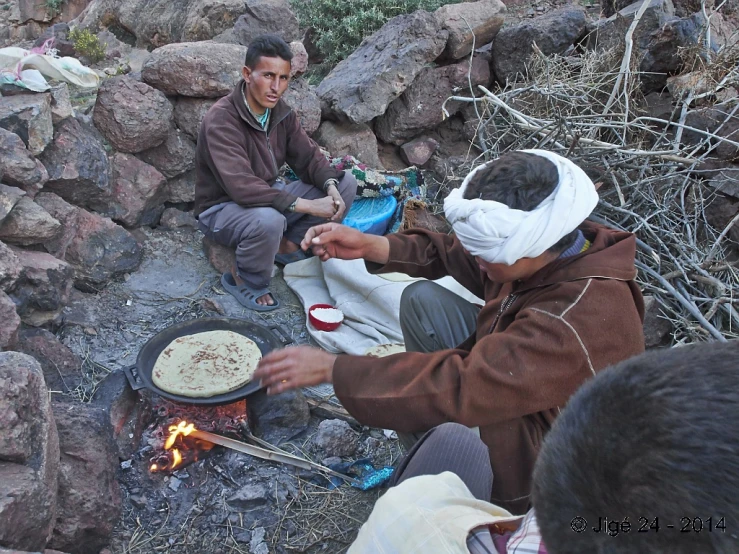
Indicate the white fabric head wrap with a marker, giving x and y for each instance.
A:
(499, 234)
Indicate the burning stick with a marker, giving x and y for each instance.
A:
(188, 430)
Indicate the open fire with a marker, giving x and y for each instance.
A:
(180, 449)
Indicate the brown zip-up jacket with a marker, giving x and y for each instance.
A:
(536, 342)
(236, 160)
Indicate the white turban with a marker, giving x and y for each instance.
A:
(499, 234)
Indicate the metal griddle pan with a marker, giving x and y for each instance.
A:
(139, 375)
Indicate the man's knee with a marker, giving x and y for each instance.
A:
(270, 223)
(458, 437)
(415, 295)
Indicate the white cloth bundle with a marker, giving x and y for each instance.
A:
(499, 234)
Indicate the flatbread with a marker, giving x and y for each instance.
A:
(206, 364)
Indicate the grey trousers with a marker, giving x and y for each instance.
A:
(255, 233)
(433, 318)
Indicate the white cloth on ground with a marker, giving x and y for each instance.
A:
(27, 69)
(499, 234)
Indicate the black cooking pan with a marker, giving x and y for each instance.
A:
(139, 375)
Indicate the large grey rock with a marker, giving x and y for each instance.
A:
(9, 197)
(132, 115)
(138, 191)
(61, 367)
(301, 97)
(98, 249)
(28, 224)
(10, 268)
(336, 438)
(172, 218)
(42, 288)
(299, 62)
(199, 69)
(89, 495)
(78, 165)
(181, 189)
(174, 156)
(29, 454)
(419, 151)
(342, 139)
(279, 418)
(419, 107)
(10, 322)
(18, 167)
(266, 16)
(553, 33)
(61, 103)
(657, 328)
(720, 212)
(362, 86)
(716, 120)
(189, 114)
(154, 23)
(479, 21)
(29, 117)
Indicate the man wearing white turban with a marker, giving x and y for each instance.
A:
(560, 305)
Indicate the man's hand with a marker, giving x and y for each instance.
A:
(295, 367)
(323, 207)
(333, 193)
(332, 240)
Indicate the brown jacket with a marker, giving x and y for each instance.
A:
(236, 160)
(536, 342)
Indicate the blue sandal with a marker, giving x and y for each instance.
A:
(246, 295)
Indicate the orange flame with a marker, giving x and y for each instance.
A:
(182, 428)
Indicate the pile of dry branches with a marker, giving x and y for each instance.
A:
(587, 108)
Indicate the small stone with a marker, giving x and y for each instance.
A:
(336, 438)
(138, 501)
(257, 537)
(126, 464)
(174, 483)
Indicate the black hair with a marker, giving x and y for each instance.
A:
(268, 46)
(652, 441)
(521, 181)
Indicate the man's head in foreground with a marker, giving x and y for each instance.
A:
(648, 454)
(266, 71)
(518, 213)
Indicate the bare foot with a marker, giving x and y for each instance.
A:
(265, 300)
(287, 247)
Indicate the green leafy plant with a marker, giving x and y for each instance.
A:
(340, 25)
(54, 6)
(86, 44)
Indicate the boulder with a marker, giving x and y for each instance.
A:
(278, 418)
(172, 218)
(132, 115)
(29, 117)
(78, 165)
(199, 69)
(470, 21)
(181, 189)
(10, 322)
(356, 140)
(609, 34)
(98, 249)
(154, 23)
(28, 224)
(138, 191)
(59, 32)
(301, 97)
(189, 114)
(62, 368)
(61, 103)
(222, 258)
(362, 86)
(720, 211)
(29, 454)
(419, 151)
(336, 438)
(18, 167)
(719, 121)
(657, 329)
(128, 411)
(299, 63)
(9, 197)
(174, 156)
(419, 108)
(553, 33)
(266, 16)
(89, 495)
(42, 288)
(10, 268)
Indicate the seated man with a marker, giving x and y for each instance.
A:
(642, 459)
(560, 305)
(240, 202)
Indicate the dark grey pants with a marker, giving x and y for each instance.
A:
(433, 318)
(450, 447)
(255, 233)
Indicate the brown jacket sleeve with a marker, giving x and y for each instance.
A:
(534, 365)
(421, 253)
(230, 162)
(304, 156)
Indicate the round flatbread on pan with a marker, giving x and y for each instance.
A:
(206, 364)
